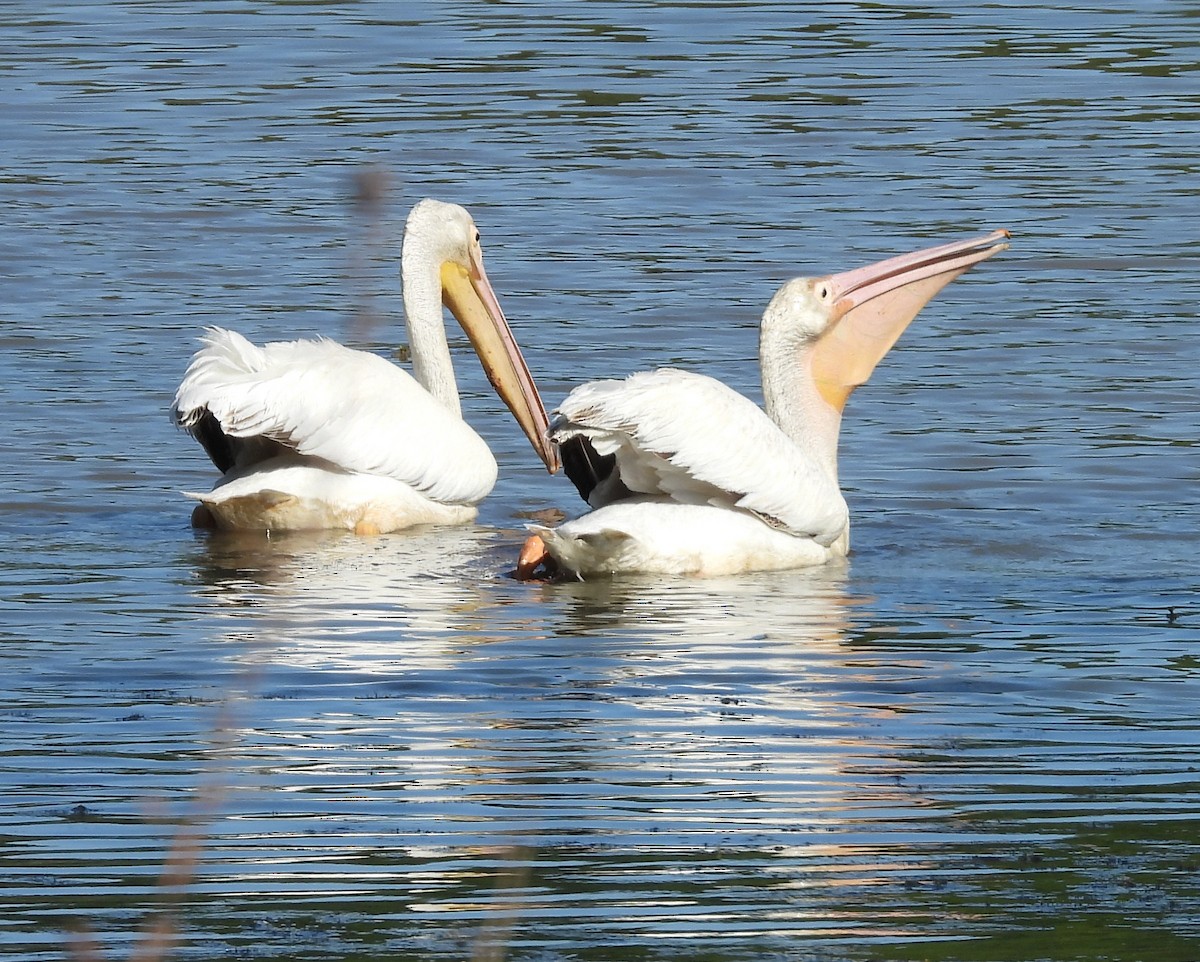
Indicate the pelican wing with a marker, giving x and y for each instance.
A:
(690, 438)
(353, 409)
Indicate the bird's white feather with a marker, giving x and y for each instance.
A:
(353, 409)
(658, 536)
(696, 441)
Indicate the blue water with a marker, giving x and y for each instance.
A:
(974, 740)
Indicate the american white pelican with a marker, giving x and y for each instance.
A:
(687, 476)
(314, 435)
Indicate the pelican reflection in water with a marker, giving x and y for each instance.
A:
(687, 476)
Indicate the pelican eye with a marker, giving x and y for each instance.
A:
(823, 291)
(477, 237)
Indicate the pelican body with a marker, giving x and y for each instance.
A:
(313, 435)
(686, 476)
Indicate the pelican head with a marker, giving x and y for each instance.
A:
(847, 322)
(445, 237)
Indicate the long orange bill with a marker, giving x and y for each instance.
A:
(469, 296)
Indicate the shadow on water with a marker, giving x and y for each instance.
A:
(811, 604)
(428, 580)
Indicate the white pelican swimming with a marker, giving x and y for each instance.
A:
(687, 476)
(314, 435)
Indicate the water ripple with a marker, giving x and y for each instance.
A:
(975, 740)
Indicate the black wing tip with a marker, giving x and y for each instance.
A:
(207, 430)
(584, 466)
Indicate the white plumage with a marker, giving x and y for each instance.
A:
(694, 440)
(658, 535)
(350, 409)
(687, 476)
(311, 434)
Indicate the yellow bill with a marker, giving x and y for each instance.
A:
(470, 298)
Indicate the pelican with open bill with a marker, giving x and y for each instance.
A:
(687, 476)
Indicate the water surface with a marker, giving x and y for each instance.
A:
(974, 740)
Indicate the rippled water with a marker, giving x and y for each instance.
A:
(975, 740)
